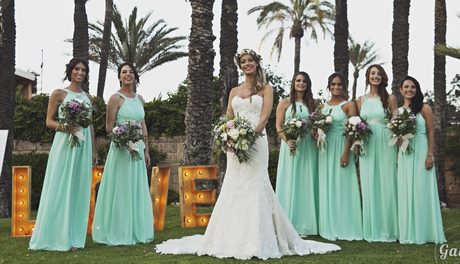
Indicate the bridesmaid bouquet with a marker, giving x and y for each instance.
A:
(319, 123)
(358, 131)
(294, 129)
(129, 136)
(235, 135)
(403, 127)
(76, 112)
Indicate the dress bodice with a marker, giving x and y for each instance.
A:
(73, 95)
(372, 110)
(301, 111)
(338, 116)
(249, 107)
(131, 110)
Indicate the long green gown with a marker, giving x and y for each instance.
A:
(123, 213)
(62, 217)
(297, 180)
(339, 201)
(377, 169)
(419, 211)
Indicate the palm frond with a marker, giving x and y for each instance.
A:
(447, 51)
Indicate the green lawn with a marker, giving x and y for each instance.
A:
(14, 250)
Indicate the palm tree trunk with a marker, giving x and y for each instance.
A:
(296, 54)
(80, 34)
(400, 44)
(341, 55)
(198, 140)
(228, 46)
(105, 47)
(228, 73)
(7, 100)
(355, 81)
(440, 103)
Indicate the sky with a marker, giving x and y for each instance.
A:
(42, 26)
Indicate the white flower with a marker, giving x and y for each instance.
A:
(243, 131)
(114, 130)
(328, 119)
(234, 133)
(224, 136)
(350, 133)
(298, 123)
(131, 145)
(320, 122)
(354, 120)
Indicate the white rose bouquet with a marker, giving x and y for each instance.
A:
(235, 135)
(128, 136)
(318, 123)
(403, 127)
(358, 131)
(294, 129)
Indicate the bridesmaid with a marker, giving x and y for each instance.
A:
(377, 167)
(339, 203)
(123, 213)
(62, 217)
(297, 176)
(419, 211)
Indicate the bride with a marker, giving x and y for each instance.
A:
(247, 220)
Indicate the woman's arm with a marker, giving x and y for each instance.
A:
(230, 113)
(280, 113)
(393, 105)
(113, 105)
(351, 110)
(93, 135)
(266, 108)
(428, 115)
(56, 98)
(145, 136)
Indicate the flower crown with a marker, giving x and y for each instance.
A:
(257, 58)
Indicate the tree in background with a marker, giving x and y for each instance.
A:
(439, 83)
(146, 47)
(400, 44)
(198, 139)
(228, 45)
(361, 55)
(7, 99)
(341, 54)
(80, 33)
(298, 17)
(105, 47)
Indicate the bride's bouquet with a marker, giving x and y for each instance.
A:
(128, 136)
(358, 131)
(294, 129)
(318, 123)
(402, 126)
(235, 135)
(76, 112)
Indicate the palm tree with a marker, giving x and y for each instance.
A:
(105, 47)
(198, 143)
(341, 54)
(439, 83)
(132, 42)
(447, 51)
(80, 34)
(400, 44)
(360, 57)
(228, 46)
(298, 17)
(7, 99)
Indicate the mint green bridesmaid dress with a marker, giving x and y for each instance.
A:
(123, 213)
(377, 168)
(339, 201)
(62, 217)
(297, 180)
(419, 211)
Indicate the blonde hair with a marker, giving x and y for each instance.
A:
(259, 78)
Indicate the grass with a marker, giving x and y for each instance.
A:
(14, 250)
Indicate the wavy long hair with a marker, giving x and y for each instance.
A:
(416, 103)
(259, 78)
(307, 97)
(382, 89)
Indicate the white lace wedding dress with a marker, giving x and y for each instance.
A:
(247, 220)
